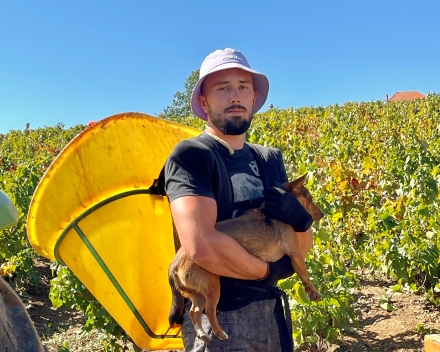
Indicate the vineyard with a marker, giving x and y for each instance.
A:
(373, 168)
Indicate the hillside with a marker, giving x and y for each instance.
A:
(373, 168)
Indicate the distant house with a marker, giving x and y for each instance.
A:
(406, 96)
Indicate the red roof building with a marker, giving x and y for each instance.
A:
(406, 96)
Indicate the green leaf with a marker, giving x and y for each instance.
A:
(303, 169)
(325, 259)
(302, 296)
(299, 339)
(387, 306)
(311, 339)
(332, 334)
(296, 333)
(111, 326)
(367, 164)
(423, 210)
(323, 235)
(432, 184)
(389, 222)
(397, 287)
(335, 302)
(285, 285)
(56, 302)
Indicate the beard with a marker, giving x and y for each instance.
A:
(235, 126)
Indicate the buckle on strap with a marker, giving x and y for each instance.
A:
(249, 203)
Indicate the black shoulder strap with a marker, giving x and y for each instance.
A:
(158, 189)
(269, 165)
(158, 186)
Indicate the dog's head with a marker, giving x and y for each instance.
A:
(304, 197)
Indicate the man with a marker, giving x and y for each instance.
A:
(201, 175)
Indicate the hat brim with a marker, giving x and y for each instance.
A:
(261, 85)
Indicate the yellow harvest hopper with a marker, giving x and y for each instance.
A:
(94, 212)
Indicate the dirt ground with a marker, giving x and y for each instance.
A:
(47, 319)
(379, 330)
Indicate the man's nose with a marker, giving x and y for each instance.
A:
(235, 96)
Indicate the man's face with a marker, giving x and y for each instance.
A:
(228, 98)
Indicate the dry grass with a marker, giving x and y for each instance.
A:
(76, 340)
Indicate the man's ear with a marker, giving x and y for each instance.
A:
(255, 97)
(203, 103)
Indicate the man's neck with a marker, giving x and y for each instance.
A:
(236, 142)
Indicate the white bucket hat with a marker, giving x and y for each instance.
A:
(222, 60)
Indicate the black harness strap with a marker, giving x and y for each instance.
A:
(267, 159)
(248, 204)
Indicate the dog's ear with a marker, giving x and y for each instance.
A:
(298, 183)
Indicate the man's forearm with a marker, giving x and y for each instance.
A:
(195, 218)
(222, 255)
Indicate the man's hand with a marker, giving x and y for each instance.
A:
(281, 269)
(282, 205)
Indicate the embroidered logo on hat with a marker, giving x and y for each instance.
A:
(232, 57)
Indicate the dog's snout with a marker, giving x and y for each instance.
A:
(318, 216)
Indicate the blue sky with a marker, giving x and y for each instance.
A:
(76, 61)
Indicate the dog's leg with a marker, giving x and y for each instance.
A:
(195, 313)
(212, 298)
(292, 249)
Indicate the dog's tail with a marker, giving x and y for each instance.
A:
(178, 302)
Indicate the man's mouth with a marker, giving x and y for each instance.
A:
(235, 109)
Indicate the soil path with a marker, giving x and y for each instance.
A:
(379, 330)
(47, 319)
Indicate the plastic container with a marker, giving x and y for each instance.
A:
(8, 212)
(92, 211)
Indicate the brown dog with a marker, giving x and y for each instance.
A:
(268, 241)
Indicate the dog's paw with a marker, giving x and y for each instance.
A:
(223, 336)
(315, 296)
(319, 297)
(203, 336)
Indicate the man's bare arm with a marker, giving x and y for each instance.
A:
(195, 217)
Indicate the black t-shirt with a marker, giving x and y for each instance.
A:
(192, 169)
